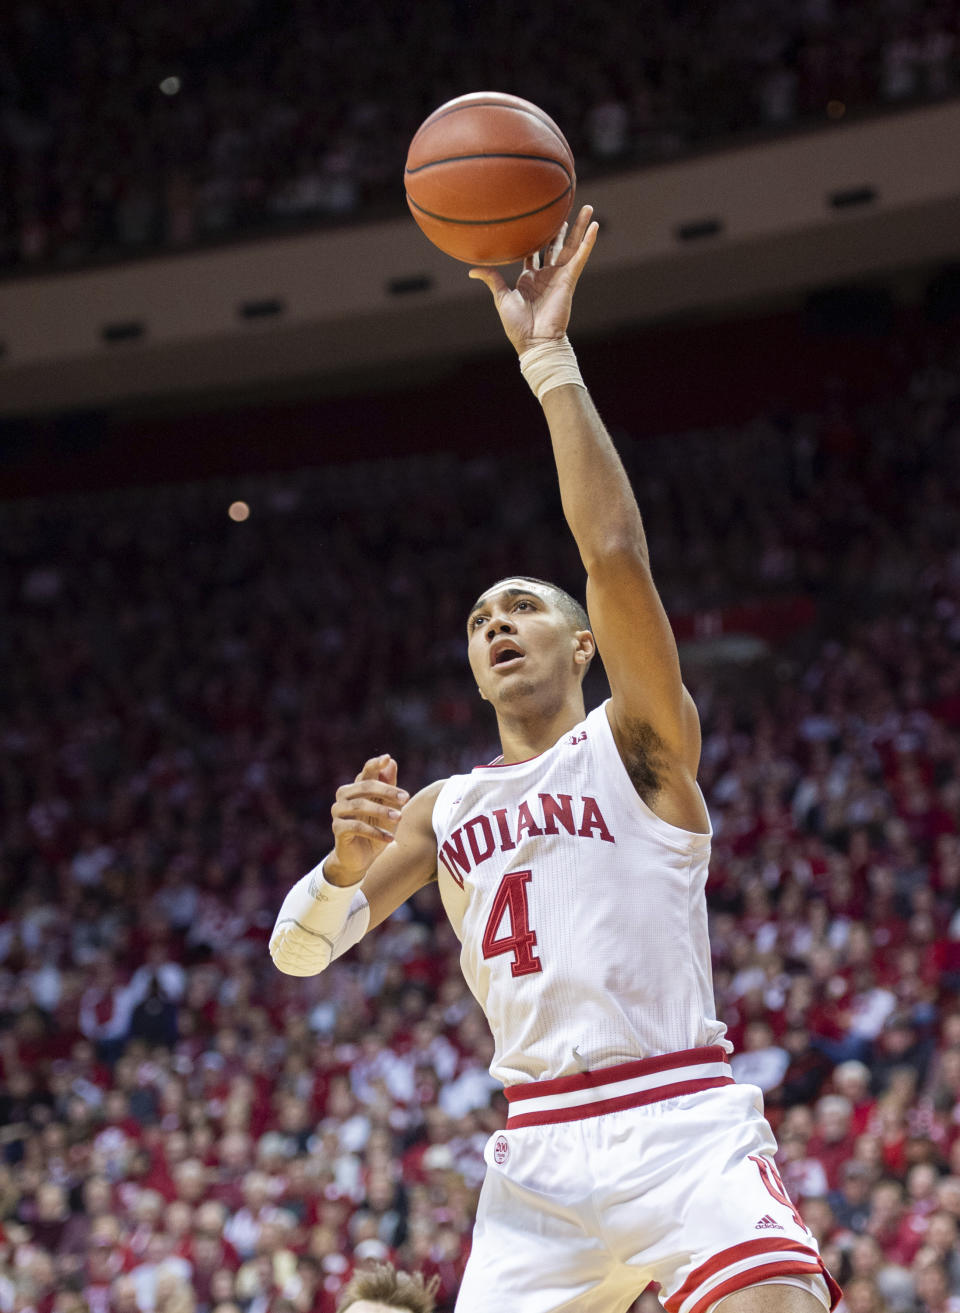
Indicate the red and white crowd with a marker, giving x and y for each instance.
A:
(183, 1129)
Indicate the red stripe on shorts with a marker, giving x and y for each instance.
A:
(622, 1101)
(735, 1254)
(587, 1080)
(754, 1275)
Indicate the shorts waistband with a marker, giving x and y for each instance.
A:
(612, 1089)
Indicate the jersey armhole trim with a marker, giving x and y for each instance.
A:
(674, 835)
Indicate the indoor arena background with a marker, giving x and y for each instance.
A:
(238, 554)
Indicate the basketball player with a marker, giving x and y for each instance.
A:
(573, 871)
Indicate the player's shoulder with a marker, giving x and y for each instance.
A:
(419, 809)
(429, 793)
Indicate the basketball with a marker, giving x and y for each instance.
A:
(489, 178)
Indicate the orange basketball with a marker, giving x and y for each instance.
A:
(489, 178)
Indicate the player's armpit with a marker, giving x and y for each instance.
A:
(407, 864)
(653, 717)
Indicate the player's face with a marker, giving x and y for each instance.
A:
(518, 639)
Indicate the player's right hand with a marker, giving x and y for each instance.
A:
(365, 819)
(537, 310)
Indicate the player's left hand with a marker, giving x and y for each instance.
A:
(537, 309)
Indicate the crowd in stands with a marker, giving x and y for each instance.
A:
(185, 1130)
(141, 125)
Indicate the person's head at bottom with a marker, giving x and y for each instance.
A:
(381, 1288)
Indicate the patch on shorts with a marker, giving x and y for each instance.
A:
(500, 1149)
(767, 1223)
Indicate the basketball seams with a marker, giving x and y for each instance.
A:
(487, 223)
(493, 155)
(543, 119)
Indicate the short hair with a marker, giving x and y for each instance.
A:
(383, 1284)
(569, 605)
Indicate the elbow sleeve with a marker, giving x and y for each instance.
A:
(317, 923)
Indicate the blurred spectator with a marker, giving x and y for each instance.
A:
(861, 1295)
(832, 1141)
(851, 1202)
(760, 1061)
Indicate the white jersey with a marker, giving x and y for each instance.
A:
(581, 914)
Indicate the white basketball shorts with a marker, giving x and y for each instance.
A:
(656, 1170)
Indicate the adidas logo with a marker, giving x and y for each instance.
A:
(768, 1224)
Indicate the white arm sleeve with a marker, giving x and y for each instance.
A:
(317, 922)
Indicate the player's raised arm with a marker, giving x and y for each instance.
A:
(649, 702)
(385, 850)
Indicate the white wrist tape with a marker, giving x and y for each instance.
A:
(317, 922)
(550, 365)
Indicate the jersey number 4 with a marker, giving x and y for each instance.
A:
(510, 904)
